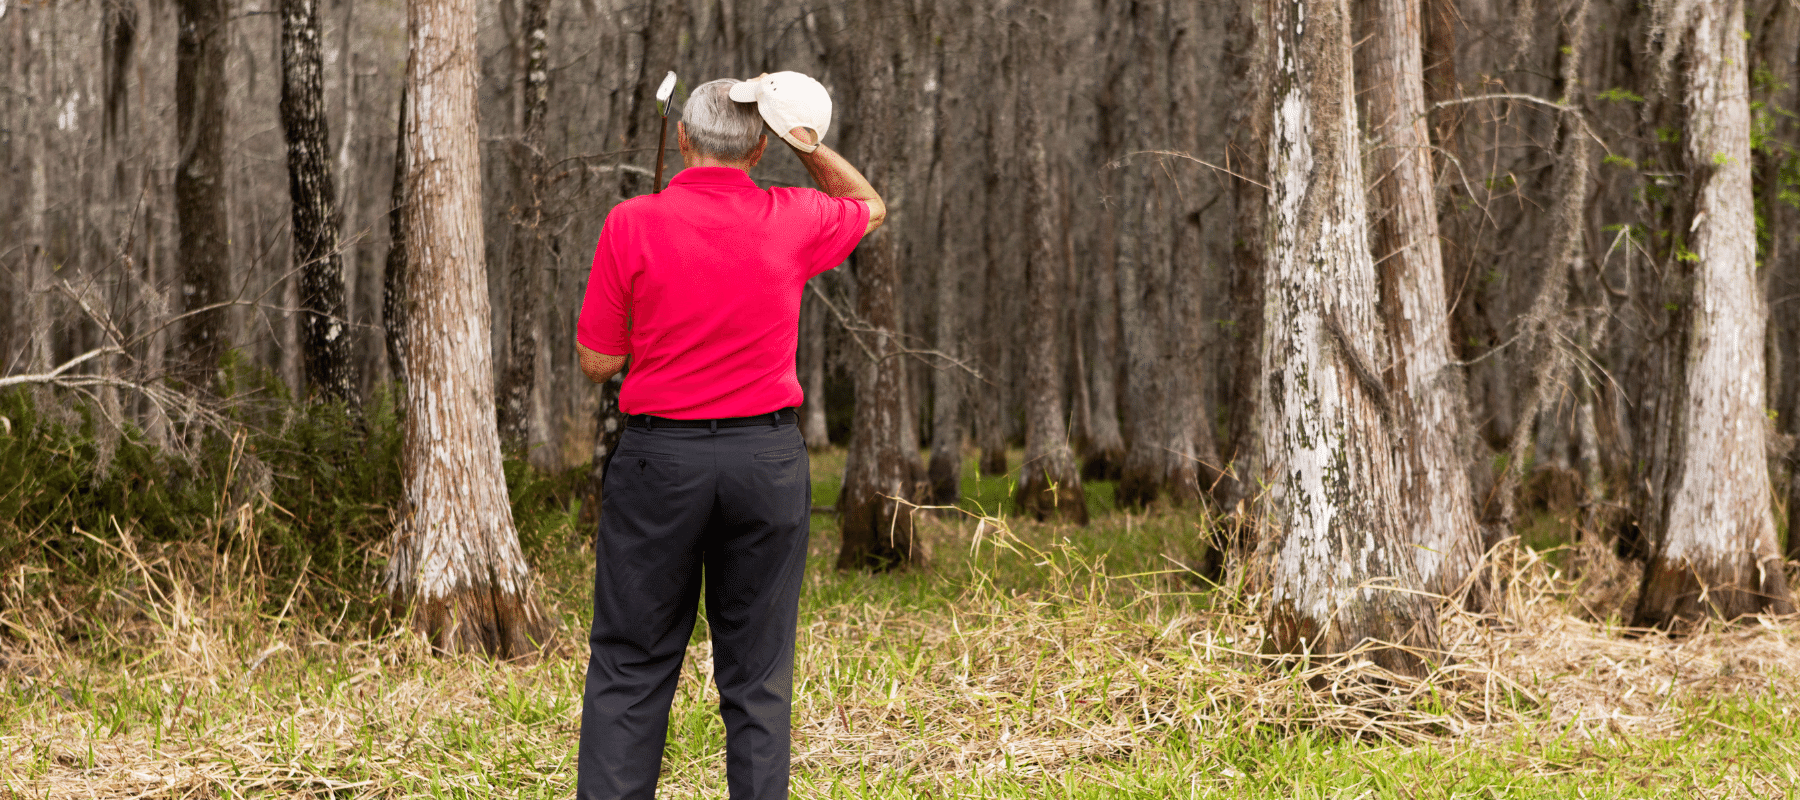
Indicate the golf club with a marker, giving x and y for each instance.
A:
(663, 93)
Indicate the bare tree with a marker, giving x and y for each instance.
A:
(1429, 400)
(1715, 551)
(1776, 53)
(1049, 483)
(325, 325)
(811, 370)
(526, 259)
(1248, 62)
(393, 280)
(1158, 258)
(1342, 576)
(200, 180)
(609, 427)
(457, 567)
(877, 529)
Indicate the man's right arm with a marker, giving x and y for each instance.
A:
(835, 177)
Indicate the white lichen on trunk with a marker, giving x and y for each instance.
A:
(1717, 552)
(1437, 503)
(457, 562)
(1340, 577)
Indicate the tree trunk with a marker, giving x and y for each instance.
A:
(1342, 576)
(609, 427)
(813, 427)
(1155, 268)
(1778, 52)
(393, 279)
(202, 238)
(457, 566)
(325, 336)
(526, 257)
(944, 471)
(1105, 443)
(876, 525)
(949, 244)
(1248, 63)
(1049, 483)
(39, 326)
(1430, 405)
(991, 406)
(1715, 550)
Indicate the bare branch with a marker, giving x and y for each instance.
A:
(56, 375)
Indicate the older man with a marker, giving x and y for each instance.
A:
(700, 286)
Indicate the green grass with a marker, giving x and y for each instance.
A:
(1045, 661)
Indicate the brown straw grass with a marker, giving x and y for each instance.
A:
(1042, 663)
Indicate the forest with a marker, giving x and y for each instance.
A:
(1355, 382)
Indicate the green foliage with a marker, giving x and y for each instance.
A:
(309, 490)
(1613, 159)
(1619, 95)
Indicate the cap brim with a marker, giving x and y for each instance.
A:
(745, 91)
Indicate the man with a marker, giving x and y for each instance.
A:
(700, 286)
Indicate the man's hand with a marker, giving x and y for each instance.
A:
(598, 367)
(806, 135)
(834, 176)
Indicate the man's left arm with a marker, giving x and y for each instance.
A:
(598, 367)
(602, 324)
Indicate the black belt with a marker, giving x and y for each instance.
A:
(770, 419)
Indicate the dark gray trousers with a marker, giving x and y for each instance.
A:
(678, 503)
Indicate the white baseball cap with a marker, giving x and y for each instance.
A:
(788, 100)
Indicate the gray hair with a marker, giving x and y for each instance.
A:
(718, 126)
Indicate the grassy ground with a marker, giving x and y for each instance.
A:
(1025, 661)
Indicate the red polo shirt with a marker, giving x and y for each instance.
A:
(701, 286)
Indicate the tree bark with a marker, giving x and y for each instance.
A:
(1049, 483)
(813, 427)
(457, 567)
(526, 257)
(1715, 552)
(948, 241)
(876, 525)
(1247, 62)
(393, 279)
(1429, 399)
(1778, 52)
(1105, 450)
(1342, 576)
(39, 328)
(325, 335)
(609, 427)
(202, 237)
(1155, 284)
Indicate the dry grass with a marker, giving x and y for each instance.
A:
(1023, 664)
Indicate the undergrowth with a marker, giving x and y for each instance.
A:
(305, 493)
(218, 655)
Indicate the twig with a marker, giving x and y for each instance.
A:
(1120, 161)
(56, 375)
(853, 327)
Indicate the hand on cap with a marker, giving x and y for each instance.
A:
(805, 134)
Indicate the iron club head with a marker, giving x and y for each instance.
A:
(664, 92)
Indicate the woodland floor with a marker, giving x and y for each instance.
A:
(1026, 661)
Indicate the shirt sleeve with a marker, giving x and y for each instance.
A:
(843, 220)
(601, 326)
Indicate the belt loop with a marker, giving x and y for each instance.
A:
(713, 424)
(649, 422)
(775, 419)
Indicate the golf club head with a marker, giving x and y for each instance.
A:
(664, 92)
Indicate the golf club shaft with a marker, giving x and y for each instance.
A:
(662, 141)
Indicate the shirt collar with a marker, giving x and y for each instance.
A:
(713, 176)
